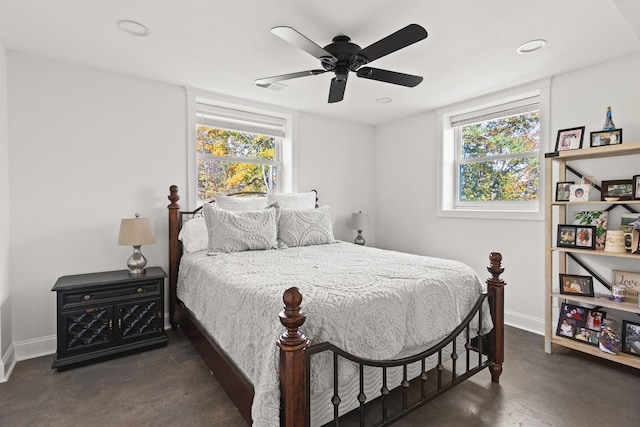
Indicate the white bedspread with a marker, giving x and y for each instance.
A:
(370, 302)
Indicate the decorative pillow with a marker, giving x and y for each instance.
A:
(294, 200)
(240, 231)
(305, 227)
(194, 235)
(597, 218)
(240, 203)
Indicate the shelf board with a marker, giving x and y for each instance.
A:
(625, 359)
(599, 152)
(598, 202)
(602, 300)
(597, 253)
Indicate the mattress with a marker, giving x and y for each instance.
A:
(373, 303)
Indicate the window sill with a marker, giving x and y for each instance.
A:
(518, 215)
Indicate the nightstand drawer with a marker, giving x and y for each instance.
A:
(148, 288)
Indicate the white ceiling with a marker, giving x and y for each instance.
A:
(223, 46)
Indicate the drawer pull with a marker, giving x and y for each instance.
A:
(110, 324)
(140, 290)
(87, 297)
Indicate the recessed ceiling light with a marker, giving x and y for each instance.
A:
(132, 27)
(383, 100)
(531, 46)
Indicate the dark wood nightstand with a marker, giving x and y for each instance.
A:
(102, 315)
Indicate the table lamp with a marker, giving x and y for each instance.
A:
(359, 221)
(136, 232)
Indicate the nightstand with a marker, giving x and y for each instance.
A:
(102, 315)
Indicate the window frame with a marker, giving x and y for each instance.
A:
(285, 151)
(449, 153)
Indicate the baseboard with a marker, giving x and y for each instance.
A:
(36, 347)
(7, 364)
(525, 322)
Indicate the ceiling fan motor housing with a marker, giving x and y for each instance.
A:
(347, 57)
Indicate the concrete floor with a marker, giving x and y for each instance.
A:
(171, 386)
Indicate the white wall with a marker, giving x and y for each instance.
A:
(6, 358)
(335, 158)
(89, 147)
(405, 165)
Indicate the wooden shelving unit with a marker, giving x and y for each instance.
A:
(552, 296)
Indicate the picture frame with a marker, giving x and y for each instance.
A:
(617, 189)
(566, 236)
(579, 192)
(571, 284)
(570, 139)
(563, 191)
(606, 137)
(585, 237)
(636, 187)
(631, 282)
(631, 338)
(579, 323)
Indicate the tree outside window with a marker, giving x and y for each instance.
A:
(231, 161)
(498, 159)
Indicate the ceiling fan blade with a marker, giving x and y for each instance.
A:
(336, 91)
(402, 38)
(274, 79)
(295, 38)
(387, 76)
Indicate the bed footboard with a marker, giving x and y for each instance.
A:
(295, 353)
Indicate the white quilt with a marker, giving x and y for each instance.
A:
(372, 303)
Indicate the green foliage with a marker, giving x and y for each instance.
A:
(241, 174)
(505, 178)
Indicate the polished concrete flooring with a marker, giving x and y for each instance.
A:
(171, 386)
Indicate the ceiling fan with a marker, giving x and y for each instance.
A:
(342, 56)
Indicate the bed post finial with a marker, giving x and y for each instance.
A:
(293, 371)
(496, 284)
(174, 251)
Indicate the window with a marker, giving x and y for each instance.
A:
(491, 164)
(234, 148)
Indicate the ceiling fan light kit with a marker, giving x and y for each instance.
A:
(342, 57)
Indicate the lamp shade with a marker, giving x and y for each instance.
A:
(359, 221)
(136, 232)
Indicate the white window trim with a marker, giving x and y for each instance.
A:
(446, 173)
(287, 176)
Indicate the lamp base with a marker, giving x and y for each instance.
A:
(359, 239)
(136, 262)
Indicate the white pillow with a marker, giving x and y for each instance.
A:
(194, 235)
(240, 203)
(293, 200)
(240, 231)
(304, 227)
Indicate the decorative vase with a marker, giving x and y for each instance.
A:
(609, 339)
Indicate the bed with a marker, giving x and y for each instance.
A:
(373, 331)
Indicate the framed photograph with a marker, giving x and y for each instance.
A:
(579, 323)
(563, 191)
(606, 137)
(619, 189)
(569, 139)
(636, 187)
(631, 337)
(566, 236)
(630, 281)
(627, 219)
(571, 284)
(579, 192)
(585, 237)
